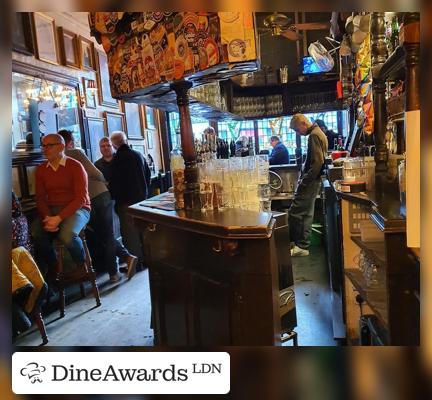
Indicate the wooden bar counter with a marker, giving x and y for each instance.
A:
(213, 276)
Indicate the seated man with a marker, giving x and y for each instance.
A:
(101, 221)
(279, 154)
(62, 202)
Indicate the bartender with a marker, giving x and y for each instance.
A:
(279, 154)
(302, 208)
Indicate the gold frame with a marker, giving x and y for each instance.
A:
(66, 33)
(90, 44)
(51, 20)
(86, 93)
(141, 120)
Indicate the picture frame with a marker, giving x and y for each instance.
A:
(149, 117)
(134, 119)
(104, 90)
(22, 33)
(149, 137)
(96, 129)
(69, 48)
(45, 37)
(86, 54)
(89, 95)
(140, 148)
(115, 121)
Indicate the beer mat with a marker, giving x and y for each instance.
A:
(167, 205)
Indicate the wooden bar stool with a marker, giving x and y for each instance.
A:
(79, 275)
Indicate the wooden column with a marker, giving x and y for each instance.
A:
(191, 193)
(411, 43)
(379, 55)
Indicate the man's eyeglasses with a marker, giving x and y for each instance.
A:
(49, 145)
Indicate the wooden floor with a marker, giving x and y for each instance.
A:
(123, 319)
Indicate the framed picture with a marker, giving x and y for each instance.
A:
(68, 47)
(89, 94)
(105, 98)
(86, 47)
(45, 38)
(140, 148)
(133, 115)
(149, 134)
(114, 122)
(149, 118)
(22, 33)
(96, 130)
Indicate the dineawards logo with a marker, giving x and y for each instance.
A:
(33, 371)
(121, 373)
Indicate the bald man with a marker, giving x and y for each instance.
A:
(62, 202)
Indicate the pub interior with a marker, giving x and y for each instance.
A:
(282, 203)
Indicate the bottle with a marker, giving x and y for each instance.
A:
(177, 172)
(251, 147)
(395, 33)
(340, 145)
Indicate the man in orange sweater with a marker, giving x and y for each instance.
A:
(62, 201)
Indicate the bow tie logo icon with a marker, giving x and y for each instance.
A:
(33, 371)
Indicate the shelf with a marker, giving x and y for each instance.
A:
(375, 298)
(374, 250)
(399, 117)
(394, 66)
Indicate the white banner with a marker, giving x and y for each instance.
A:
(120, 373)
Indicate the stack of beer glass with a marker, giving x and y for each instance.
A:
(238, 182)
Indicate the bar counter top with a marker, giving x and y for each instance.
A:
(386, 208)
(226, 224)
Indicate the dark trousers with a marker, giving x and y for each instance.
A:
(129, 232)
(301, 213)
(101, 222)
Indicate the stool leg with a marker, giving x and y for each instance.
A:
(62, 300)
(37, 318)
(90, 272)
(92, 278)
(59, 279)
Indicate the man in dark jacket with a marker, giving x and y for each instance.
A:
(279, 154)
(301, 211)
(129, 184)
(331, 135)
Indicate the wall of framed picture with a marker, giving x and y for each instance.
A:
(53, 51)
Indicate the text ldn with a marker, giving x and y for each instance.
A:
(62, 373)
(206, 368)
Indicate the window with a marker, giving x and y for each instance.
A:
(198, 126)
